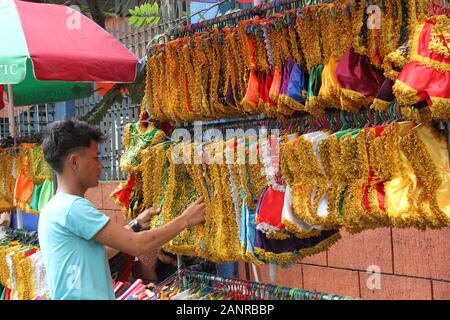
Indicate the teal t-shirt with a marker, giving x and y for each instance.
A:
(76, 265)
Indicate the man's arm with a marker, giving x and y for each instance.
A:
(111, 252)
(116, 236)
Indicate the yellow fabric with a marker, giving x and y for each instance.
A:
(438, 151)
(39, 169)
(6, 182)
(181, 192)
(427, 151)
(401, 189)
(329, 91)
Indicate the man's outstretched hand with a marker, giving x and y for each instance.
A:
(195, 213)
(144, 218)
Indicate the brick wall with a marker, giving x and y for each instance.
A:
(413, 264)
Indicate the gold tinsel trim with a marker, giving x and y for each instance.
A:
(380, 105)
(426, 61)
(291, 103)
(320, 247)
(440, 108)
(405, 95)
(299, 232)
(280, 258)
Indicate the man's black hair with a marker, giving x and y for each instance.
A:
(62, 137)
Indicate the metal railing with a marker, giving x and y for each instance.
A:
(29, 120)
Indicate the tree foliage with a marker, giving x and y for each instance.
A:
(145, 14)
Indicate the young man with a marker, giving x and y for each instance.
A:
(75, 238)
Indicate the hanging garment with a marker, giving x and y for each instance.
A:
(427, 152)
(292, 223)
(23, 191)
(309, 184)
(294, 97)
(335, 167)
(282, 108)
(329, 90)
(135, 139)
(234, 180)
(7, 182)
(38, 170)
(364, 207)
(275, 85)
(400, 184)
(286, 252)
(122, 194)
(181, 192)
(47, 192)
(34, 202)
(248, 236)
(269, 212)
(427, 75)
(313, 103)
(358, 79)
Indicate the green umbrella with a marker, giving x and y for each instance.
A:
(31, 91)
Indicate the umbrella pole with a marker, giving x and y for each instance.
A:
(12, 123)
(13, 134)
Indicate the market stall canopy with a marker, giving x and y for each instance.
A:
(44, 43)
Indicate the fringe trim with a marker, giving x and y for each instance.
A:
(267, 228)
(280, 235)
(358, 99)
(428, 174)
(405, 95)
(249, 106)
(8, 208)
(321, 246)
(380, 105)
(250, 257)
(426, 61)
(315, 106)
(440, 109)
(417, 115)
(391, 60)
(291, 103)
(283, 109)
(298, 231)
(284, 259)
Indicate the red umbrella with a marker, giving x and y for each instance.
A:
(48, 42)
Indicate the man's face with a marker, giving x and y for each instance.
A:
(89, 166)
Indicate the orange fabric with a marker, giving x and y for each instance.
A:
(252, 95)
(276, 83)
(24, 188)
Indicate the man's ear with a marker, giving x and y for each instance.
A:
(72, 160)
